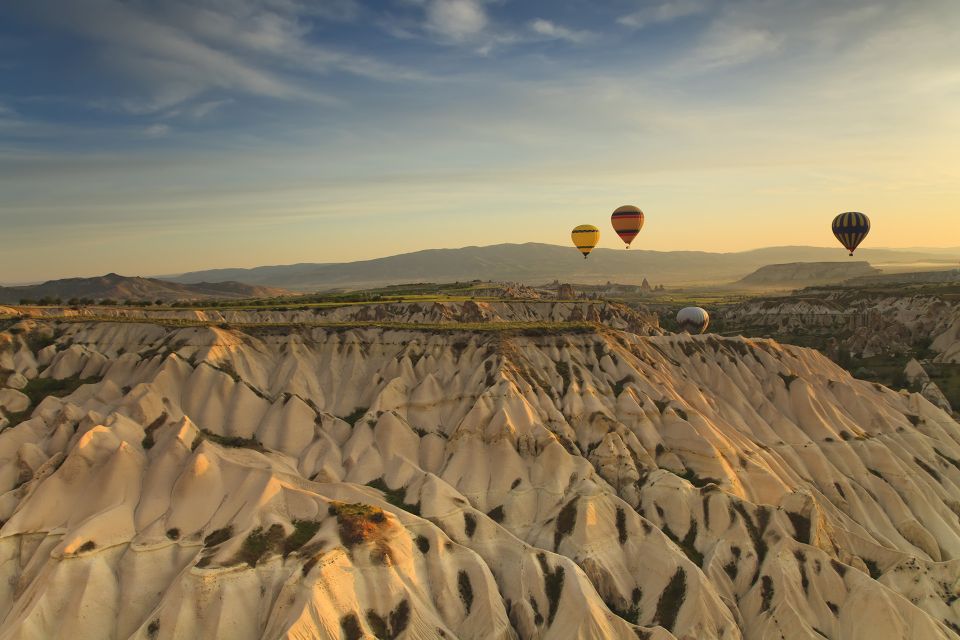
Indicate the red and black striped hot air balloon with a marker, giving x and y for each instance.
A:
(627, 222)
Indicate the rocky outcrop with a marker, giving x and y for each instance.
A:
(617, 316)
(328, 482)
(566, 292)
(866, 324)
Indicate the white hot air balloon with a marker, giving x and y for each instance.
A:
(693, 320)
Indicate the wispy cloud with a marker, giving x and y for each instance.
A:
(179, 50)
(861, 95)
(158, 130)
(457, 20)
(549, 29)
(663, 12)
(727, 44)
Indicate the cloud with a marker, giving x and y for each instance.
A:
(204, 109)
(727, 44)
(550, 29)
(456, 20)
(156, 130)
(174, 51)
(663, 12)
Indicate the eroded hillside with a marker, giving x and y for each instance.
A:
(613, 315)
(280, 481)
(865, 324)
(902, 336)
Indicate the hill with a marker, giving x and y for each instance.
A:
(535, 263)
(911, 278)
(261, 480)
(116, 287)
(801, 274)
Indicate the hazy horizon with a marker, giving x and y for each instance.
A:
(199, 134)
(937, 254)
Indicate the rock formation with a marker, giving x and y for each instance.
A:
(566, 292)
(273, 480)
(867, 323)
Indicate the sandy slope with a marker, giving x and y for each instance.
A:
(601, 485)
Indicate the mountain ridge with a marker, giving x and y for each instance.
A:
(116, 287)
(538, 262)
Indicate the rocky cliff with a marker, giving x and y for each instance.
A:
(800, 274)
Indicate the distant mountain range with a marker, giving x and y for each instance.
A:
(800, 274)
(117, 287)
(534, 263)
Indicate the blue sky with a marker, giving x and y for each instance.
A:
(151, 137)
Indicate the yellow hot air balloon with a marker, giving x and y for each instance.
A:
(585, 237)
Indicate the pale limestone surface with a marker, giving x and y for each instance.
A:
(569, 485)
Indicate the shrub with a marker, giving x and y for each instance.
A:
(396, 497)
(801, 526)
(148, 440)
(671, 599)
(352, 418)
(358, 522)
(303, 531)
(873, 568)
(350, 625)
(39, 388)
(259, 543)
(553, 585)
(565, 522)
(621, 525)
(466, 590)
(766, 593)
(423, 544)
(469, 524)
(236, 442)
(391, 628)
(216, 537)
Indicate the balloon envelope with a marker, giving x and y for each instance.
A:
(851, 228)
(693, 320)
(627, 222)
(585, 237)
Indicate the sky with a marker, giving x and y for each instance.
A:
(160, 136)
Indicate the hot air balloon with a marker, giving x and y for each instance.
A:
(693, 320)
(851, 228)
(627, 222)
(585, 238)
